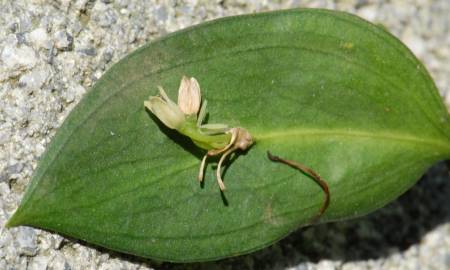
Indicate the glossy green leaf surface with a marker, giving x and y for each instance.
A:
(324, 88)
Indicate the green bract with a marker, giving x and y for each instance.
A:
(323, 88)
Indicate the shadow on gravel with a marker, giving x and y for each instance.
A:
(393, 228)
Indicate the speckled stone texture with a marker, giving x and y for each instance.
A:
(51, 52)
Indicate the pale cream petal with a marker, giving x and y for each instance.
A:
(166, 111)
(184, 86)
(196, 96)
(189, 96)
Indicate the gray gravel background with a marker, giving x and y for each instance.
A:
(51, 52)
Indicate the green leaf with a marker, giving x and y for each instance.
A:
(324, 88)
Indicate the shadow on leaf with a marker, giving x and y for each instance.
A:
(178, 138)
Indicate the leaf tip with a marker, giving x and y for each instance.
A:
(13, 221)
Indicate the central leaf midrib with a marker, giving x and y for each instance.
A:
(310, 133)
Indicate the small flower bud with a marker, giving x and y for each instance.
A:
(189, 96)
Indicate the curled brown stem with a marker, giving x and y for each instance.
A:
(313, 175)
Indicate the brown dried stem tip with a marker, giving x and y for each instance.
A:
(314, 176)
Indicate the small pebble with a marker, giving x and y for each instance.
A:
(26, 240)
(18, 57)
(40, 38)
(88, 51)
(34, 79)
(38, 263)
(63, 41)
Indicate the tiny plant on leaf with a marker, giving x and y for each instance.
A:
(187, 118)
